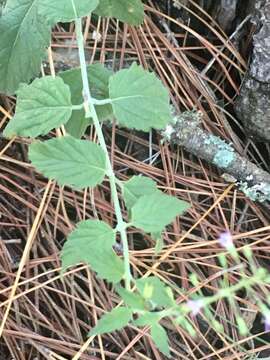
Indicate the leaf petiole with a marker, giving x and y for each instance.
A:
(78, 107)
(101, 102)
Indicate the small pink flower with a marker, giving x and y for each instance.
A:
(225, 240)
(195, 306)
(267, 322)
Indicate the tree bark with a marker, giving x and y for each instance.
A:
(253, 104)
(186, 132)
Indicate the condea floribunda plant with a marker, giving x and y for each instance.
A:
(136, 99)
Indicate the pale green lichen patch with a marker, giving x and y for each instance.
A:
(224, 152)
(259, 192)
(223, 158)
(167, 133)
(192, 117)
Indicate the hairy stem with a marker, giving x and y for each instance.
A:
(90, 110)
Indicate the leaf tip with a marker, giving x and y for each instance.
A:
(7, 133)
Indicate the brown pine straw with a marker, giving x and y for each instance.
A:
(25, 255)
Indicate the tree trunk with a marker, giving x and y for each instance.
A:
(253, 104)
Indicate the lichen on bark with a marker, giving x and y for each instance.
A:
(185, 130)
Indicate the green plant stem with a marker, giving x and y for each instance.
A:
(246, 283)
(226, 293)
(78, 107)
(101, 102)
(90, 110)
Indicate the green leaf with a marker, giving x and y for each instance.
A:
(77, 124)
(185, 324)
(160, 338)
(24, 36)
(155, 290)
(157, 236)
(78, 163)
(153, 212)
(139, 99)
(91, 242)
(2, 4)
(136, 187)
(242, 327)
(133, 300)
(148, 318)
(65, 10)
(115, 320)
(41, 106)
(98, 77)
(128, 11)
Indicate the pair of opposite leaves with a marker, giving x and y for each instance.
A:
(92, 241)
(137, 99)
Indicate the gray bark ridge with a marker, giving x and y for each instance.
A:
(253, 104)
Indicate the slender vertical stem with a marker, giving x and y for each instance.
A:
(90, 110)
